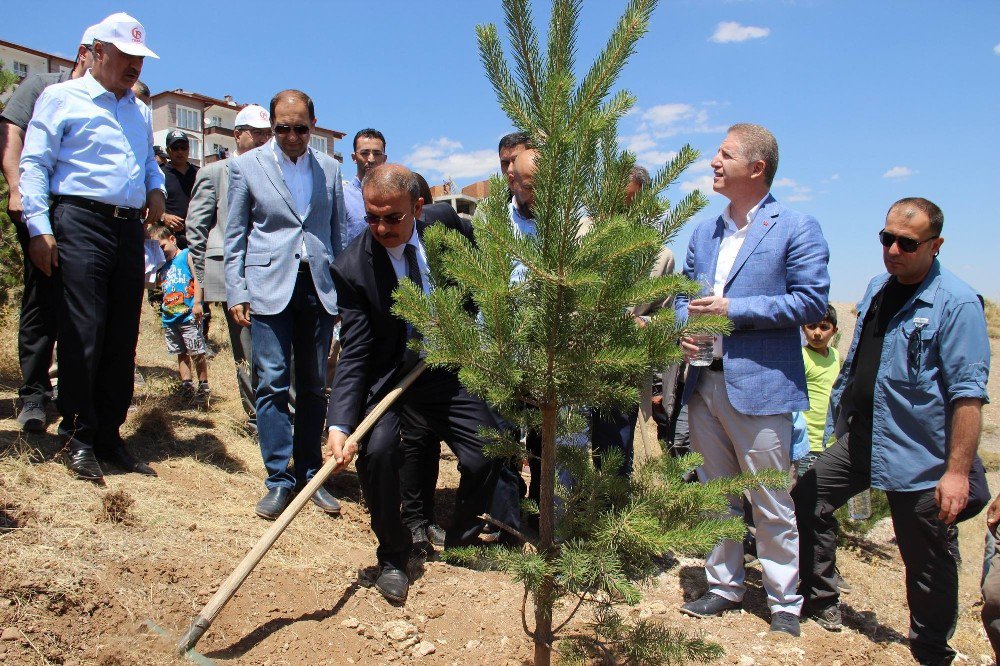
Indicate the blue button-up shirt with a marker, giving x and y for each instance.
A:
(83, 141)
(354, 207)
(936, 350)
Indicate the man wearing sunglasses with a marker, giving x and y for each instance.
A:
(375, 357)
(206, 231)
(906, 410)
(283, 230)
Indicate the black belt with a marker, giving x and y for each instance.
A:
(716, 365)
(107, 210)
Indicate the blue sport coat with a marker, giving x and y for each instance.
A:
(778, 283)
(264, 233)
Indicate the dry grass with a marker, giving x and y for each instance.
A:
(993, 318)
(116, 507)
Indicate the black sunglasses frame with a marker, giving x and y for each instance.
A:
(907, 245)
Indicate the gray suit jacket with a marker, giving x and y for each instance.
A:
(264, 234)
(206, 228)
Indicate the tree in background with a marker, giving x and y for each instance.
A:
(559, 339)
(10, 251)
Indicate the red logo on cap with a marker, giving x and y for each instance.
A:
(263, 114)
(136, 35)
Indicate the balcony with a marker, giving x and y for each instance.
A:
(219, 129)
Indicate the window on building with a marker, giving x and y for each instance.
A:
(189, 119)
(195, 152)
(20, 69)
(215, 121)
(318, 143)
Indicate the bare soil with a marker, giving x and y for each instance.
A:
(82, 567)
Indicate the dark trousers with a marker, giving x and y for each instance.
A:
(421, 450)
(839, 473)
(991, 593)
(613, 429)
(437, 403)
(100, 274)
(246, 379)
(307, 328)
(38, 325)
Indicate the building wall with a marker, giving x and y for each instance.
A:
(36, 64)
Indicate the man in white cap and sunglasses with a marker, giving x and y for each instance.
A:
(36, 335)
(87, 173)
(206, 231)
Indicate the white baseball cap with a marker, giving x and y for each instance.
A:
(254, 116)
(126, 33)
(88, 36)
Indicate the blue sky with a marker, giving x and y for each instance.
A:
(870, 101)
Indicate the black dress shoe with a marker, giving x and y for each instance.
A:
(435, 534)
(273, 503)
(326, 501)
(122, 459)
(82, 462)
(393, 583)
(709, 604)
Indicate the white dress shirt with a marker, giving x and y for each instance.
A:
(398, 260)
(523, 226)
(732, 241)
(298, 178)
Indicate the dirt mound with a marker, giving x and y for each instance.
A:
(83, 567)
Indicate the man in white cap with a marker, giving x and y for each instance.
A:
(206, 230)
(87, 173)
(36, 335)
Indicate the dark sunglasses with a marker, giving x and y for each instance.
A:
(301, 130)
(905, 244)
(391, 220)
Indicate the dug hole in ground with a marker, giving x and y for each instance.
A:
(83, 567)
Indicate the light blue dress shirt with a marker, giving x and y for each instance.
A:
(936, 350)
(83, 141)
(354, 207)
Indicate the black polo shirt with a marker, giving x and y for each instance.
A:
(179, 186)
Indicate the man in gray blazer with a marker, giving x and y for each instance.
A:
(283, 230)
(206, 229)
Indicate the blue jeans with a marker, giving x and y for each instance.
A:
(305, 327)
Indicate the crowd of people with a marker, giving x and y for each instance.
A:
(302, 265)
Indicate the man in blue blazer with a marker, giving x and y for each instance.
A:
(286, 216)
(767, 267)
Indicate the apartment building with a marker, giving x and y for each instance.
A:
(208, 121)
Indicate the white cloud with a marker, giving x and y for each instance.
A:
(703, 183)
(835, 176)
(899, 172)
(731, 31)
(443, 157)
(668, 114)
(655, 159)
(637, 143)
(783, 182)
(996, 49)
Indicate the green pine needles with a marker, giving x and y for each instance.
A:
(562, 339)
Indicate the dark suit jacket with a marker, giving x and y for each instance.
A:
(373, 339)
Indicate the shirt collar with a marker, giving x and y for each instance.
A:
(397, 252)
(283, 159)
(95, 89)
(750, 214)
(356, 182)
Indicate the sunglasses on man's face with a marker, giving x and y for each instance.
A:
(905, 244)
(282, 130)
(390, 220)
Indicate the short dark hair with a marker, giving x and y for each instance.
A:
(143, 88)
(392, 179)
(368, 133)
(925, 206)
(160, 232)
(425, 189)
(831, 314)
(295, 94)
(640, 174)
(514, 139)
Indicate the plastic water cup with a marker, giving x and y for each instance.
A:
(705, 353)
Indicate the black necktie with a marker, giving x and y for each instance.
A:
(412, 269)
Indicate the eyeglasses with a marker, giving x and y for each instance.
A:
(391, 220)
(371, 153)
(255, 132)
(823, 326)
(301, 130)
(905, 244)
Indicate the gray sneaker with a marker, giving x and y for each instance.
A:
(31, 418)
(708, 605)
(784, 622)
(829, 617)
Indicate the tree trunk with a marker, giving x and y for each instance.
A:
(546, 521)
